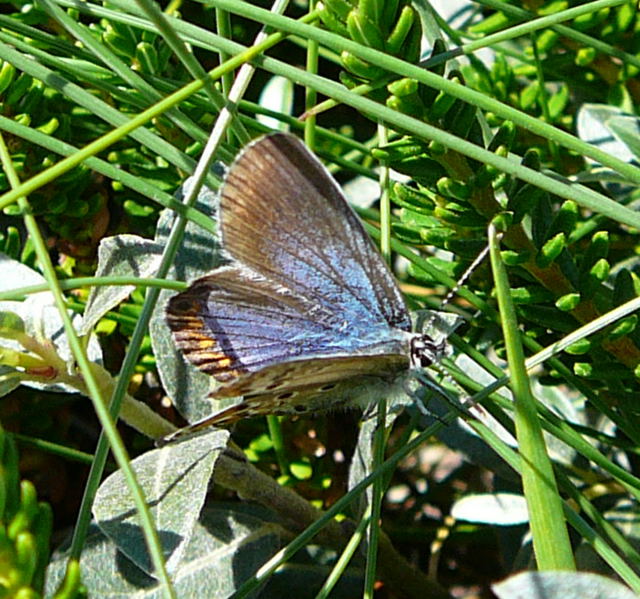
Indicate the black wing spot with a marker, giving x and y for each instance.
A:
(328, 387)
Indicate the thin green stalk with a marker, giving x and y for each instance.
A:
(550, 536)
(275, 432)
(310, 95)
(379, 440)
(372, 514)
(19, 293)
(543, 97)
(615, 536)
(66, 453)
(223, 27)
(345, 557)
(385, 201)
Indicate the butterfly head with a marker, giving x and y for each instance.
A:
(424, 351)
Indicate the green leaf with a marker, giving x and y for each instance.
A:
(627, 130)
(175, 480)
(119, 256)
(226, 548)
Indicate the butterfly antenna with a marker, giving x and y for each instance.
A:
(461, 281)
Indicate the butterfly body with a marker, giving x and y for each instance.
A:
(306, 316)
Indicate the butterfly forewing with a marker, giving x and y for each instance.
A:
(284, 216)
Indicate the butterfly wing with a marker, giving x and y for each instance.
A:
(284, 216)
(252, 336)
(303, 386)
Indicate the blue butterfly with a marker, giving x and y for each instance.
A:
(307, 316)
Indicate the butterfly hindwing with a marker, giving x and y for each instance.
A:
(238, 327)
(310, 374)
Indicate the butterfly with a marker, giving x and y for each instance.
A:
(306, 316)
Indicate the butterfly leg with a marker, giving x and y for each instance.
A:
(414, 386)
